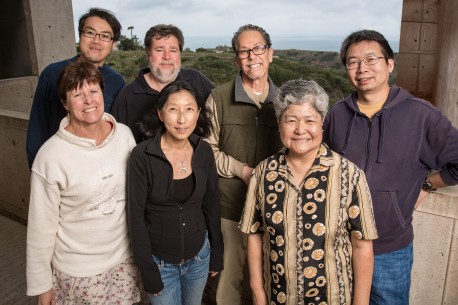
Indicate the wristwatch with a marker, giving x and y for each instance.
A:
(427, 186)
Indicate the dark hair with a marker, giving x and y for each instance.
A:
(105, 15)
(249, 27)
(163, 30)
(151, 124)
(365, 35)
(74, 76)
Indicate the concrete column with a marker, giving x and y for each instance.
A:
(446, 93)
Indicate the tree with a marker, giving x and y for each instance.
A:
(130, 28)
(128, 44)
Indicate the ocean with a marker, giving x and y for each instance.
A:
(331, 44)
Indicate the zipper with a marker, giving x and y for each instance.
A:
(183, 224)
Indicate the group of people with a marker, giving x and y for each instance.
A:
(158, 184)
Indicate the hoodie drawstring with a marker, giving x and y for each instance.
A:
(381, 141)
(347, 139)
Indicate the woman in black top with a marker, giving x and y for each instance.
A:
(172, 200)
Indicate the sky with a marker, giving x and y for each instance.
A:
(290, 23)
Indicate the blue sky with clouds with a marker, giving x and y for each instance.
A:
(286, 20)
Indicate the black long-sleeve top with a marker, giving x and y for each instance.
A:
(158, 224)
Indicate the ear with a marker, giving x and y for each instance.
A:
(390, 65)
(237, 62)
(114, 45)
(159, 115)
(271, 55)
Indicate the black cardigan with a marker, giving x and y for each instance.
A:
(158, 224)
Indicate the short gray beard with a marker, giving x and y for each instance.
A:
(164, 79)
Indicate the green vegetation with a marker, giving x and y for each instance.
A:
(323, 67)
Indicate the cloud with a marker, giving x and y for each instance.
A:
(288, 18)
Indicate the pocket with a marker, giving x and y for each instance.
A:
(204, 252)
(389, 218)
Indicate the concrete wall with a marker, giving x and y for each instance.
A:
(43, 33)
(435, 269)
(428, 57)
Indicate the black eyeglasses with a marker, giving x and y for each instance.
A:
(258, 50)
(91, 34)
(368, 61)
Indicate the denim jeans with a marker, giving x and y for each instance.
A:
(183, 283)
(391, 279)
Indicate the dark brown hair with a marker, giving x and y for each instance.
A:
(160, 31)
(74, 76)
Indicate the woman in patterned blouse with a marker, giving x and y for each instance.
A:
(308, 213)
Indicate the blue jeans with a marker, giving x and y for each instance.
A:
(391, 279)
(183, 283)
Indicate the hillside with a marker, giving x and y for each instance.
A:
(323, 67)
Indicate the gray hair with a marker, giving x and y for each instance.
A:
(249, 27)
(299, 91)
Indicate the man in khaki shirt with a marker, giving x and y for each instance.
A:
(245, 133)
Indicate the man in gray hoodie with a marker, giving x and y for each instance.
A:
(397, 139)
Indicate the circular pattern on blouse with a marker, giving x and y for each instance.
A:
(309, 207)
(318, 254)
(353, 212)
(280, 269)
(275, 278)
(273, 256)
(279, 186)
(320, 281)
(311, 183)
(279, 240)
(312, 292)
(271, 176)
(319, 195)
(281, 297)
(310, 272)
(307, 244)
(357, 234)
(271, 198)
(277, 217)
(272, 165)
(319, 229)
(255, 227)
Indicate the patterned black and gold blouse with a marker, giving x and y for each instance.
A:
(306, 231)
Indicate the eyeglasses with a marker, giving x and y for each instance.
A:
(368, 61)
(102, 36)
(258, 50)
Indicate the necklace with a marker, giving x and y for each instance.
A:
(183, 168)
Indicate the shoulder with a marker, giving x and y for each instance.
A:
(229, 86)
(110, 75)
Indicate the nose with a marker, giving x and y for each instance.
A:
(166, 54)
(300, 127)
(181, 117)
(251, 54)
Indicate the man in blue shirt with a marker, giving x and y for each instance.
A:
(99, 30)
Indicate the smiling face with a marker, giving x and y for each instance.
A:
(369, 79)
(254, 67)
(179, 115)
(301, 130)
(94, 50)
(85, 105)
(164, 59)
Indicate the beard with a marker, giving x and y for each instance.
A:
(164, 77)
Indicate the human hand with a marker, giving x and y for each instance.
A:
(213, 273)
(46, 298)
(247, 172)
